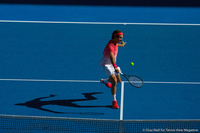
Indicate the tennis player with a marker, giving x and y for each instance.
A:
(108, 64)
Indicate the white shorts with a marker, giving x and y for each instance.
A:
(109, 70)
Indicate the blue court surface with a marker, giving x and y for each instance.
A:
(42, 61)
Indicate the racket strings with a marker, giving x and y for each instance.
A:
(136, 81)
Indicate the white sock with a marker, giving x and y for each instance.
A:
(114, 97)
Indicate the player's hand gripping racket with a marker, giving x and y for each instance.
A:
(134, 80)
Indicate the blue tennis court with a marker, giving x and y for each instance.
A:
(50, 64)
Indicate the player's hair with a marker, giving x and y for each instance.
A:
(114, 32)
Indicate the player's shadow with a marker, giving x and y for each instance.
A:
(38, 104)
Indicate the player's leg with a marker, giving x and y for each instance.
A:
(108, 70)
(113, 80)
(118, 78)
(118, 75)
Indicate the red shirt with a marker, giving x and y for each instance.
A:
(110, 47)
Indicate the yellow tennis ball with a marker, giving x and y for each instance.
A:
(132, 64)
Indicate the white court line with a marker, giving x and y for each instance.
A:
(122, 101)
(95, 81)
(48, 80)
(159, 82)
(112, 23)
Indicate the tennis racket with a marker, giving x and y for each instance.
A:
(134, 80)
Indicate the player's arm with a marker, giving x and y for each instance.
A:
(122, 44)
(112, 59)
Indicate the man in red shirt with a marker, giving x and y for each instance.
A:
(108, 64)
